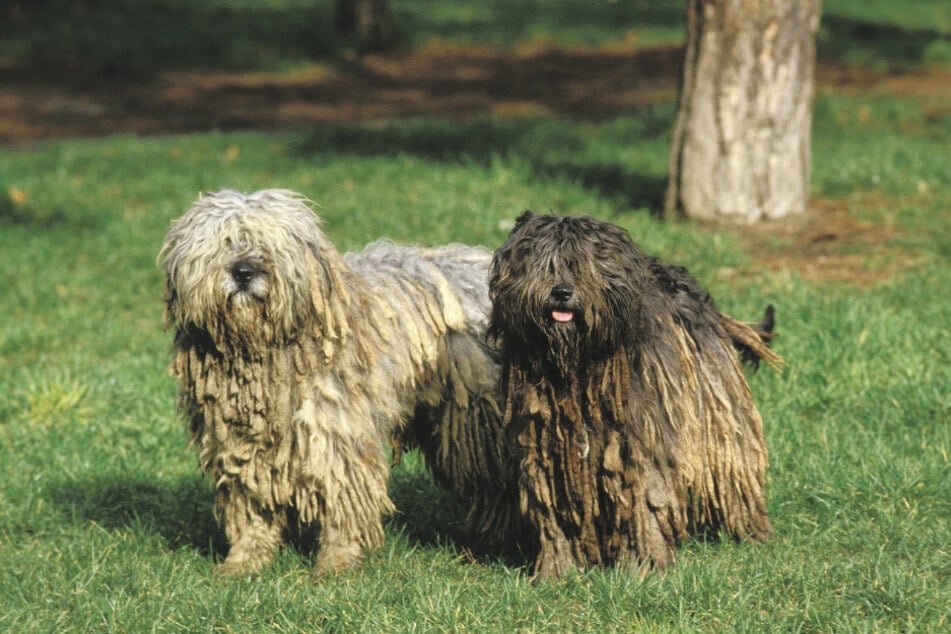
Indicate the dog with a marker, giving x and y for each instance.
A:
(299, 368)
(626, 408)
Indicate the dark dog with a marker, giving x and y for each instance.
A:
(629, 418)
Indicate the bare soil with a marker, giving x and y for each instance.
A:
(829, 242)
(437, 79)
(835, 241)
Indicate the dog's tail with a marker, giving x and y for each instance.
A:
(752, 340)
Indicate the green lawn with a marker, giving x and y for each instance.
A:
(106, 522)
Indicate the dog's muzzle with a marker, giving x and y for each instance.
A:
(561, 308)
(243, 274)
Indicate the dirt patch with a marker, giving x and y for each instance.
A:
(834, 242)
(437, 79)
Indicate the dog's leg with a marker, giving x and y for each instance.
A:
(352, 523)
(254, 533)
(650, 546)
(555, 556)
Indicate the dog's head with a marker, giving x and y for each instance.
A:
(251, 270)
(563, 286)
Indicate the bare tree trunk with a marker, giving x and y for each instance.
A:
(371, 20)
(741, 141)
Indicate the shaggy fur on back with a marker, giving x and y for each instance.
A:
(626, 406)
(299, 367)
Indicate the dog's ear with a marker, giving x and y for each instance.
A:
(527, 215)
(327, 292)
(171, 299)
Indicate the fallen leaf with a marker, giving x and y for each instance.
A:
(17, 195)
(232, 153)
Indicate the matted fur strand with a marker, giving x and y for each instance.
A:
(630, 418)
(299, 367)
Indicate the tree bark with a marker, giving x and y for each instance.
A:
(741, 140)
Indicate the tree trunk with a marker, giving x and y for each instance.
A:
(371, 20)
(741, 141)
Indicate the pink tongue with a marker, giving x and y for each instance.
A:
(562, 315)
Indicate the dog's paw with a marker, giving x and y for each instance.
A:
(555, 559)
(334, 561)
(229, 568)
(245, 559)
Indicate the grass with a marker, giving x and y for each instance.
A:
(888, 143)
(105, 521)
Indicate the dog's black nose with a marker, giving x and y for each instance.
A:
(242, 272)
(562, 292)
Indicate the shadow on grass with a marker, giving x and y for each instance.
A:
(120, 38)
(429, 516)
(145, 37)
(181, 512)
(636, 191)
(426, 514)
(553, 148)
(124, 38)
(880, 45)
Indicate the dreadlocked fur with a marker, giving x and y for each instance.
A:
(626, 406)
(299, 367)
